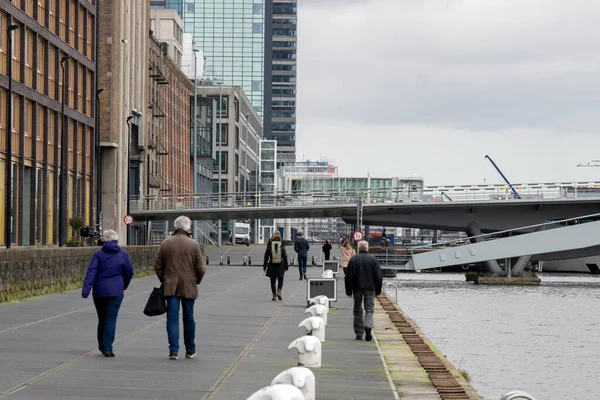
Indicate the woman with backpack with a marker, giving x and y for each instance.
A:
(275, 264)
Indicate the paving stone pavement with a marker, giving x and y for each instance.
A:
(48, 345)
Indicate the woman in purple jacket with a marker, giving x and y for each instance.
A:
(109, 274)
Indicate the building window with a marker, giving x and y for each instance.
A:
(237, 164)
(256, 85)
(223, 186)
(191, 7)
(222, 138)
(257, 27)
(257, 8)
(223, 162)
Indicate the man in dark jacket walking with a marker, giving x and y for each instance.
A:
(301, 247)
(180, 268)
(363, 282)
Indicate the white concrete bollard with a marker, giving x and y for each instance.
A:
(322, 300)
(314, 326)
(318, 310)
(278, 392)
(327, 274)
(309, 351)
(301, 377)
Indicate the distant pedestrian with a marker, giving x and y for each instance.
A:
(326, 250)
(275, 264)
(347, 253)
(180, 268)
(109, 274)
(301, 246)
(363, 282)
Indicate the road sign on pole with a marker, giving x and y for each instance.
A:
(358, 236)
(128, 219)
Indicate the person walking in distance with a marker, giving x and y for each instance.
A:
(363, 281)
(109, 274)
(301, 246)
(326, 250)
(180, 268)
(347, 253)
(275, 264)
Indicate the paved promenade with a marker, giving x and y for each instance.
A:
(48, 345)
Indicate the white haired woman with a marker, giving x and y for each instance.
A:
(109, 274)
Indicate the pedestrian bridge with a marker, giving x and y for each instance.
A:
(491, 207)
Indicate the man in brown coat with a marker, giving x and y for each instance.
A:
(180, 268)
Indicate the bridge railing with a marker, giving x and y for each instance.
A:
(477, 193)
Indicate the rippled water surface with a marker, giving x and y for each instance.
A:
(544, 339)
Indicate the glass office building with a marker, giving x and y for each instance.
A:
(232, 35)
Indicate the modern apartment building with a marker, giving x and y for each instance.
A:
(50, 46)
(232, 35)
(237, 145)
(280, 77)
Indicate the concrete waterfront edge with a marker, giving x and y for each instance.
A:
(412, 380)
(27, 272)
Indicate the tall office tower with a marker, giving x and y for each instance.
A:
(280, 77)
(232, 35)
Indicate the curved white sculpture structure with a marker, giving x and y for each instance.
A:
(314, 326)
(318, 310)
(322, 300)
(309, 351)
(278, 392)
(301, 377)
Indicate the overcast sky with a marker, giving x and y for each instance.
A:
(429, 87)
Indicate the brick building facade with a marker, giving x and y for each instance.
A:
(47, 31)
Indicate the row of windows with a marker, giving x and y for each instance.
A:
(284, 32)
(278, 67)
(284, 114)
(284, 79)
(75, 24)
(291, 45)
(284, 138)
(284, 56)
(284, 10)
(283, 21)
(288, 103)
(283, 127)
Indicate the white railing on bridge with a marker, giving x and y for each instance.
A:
(479, 193)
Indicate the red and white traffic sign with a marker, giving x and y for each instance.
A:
(128, 219)
(358, 236)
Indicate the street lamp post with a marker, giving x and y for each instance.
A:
(8, 164)
(98, 164)
(195, 136)
(64, 152)
(219, 223)
(127, 121)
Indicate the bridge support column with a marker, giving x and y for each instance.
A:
(520, 265)
(474, 230)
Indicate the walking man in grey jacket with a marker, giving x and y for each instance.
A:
(363, 281)
(301, 246)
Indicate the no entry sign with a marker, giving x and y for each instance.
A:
(358, 236)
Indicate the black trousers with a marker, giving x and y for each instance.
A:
(279, 284)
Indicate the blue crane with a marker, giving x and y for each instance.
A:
(516, 194)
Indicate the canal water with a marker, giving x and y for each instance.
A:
(544, 340)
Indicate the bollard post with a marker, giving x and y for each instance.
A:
(318, 310)
(301, 377)
(228, 260)
(206, 260)
(323, 300)
(291, 260)
(327, 274)
(249, 260)
(279, 392)
(245, 260)
(309, 351)
(314, 326)
(221, 261)
(314, 261)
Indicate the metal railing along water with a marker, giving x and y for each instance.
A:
(517, 394)
(395, 287)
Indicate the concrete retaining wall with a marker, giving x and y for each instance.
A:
(26, 272)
